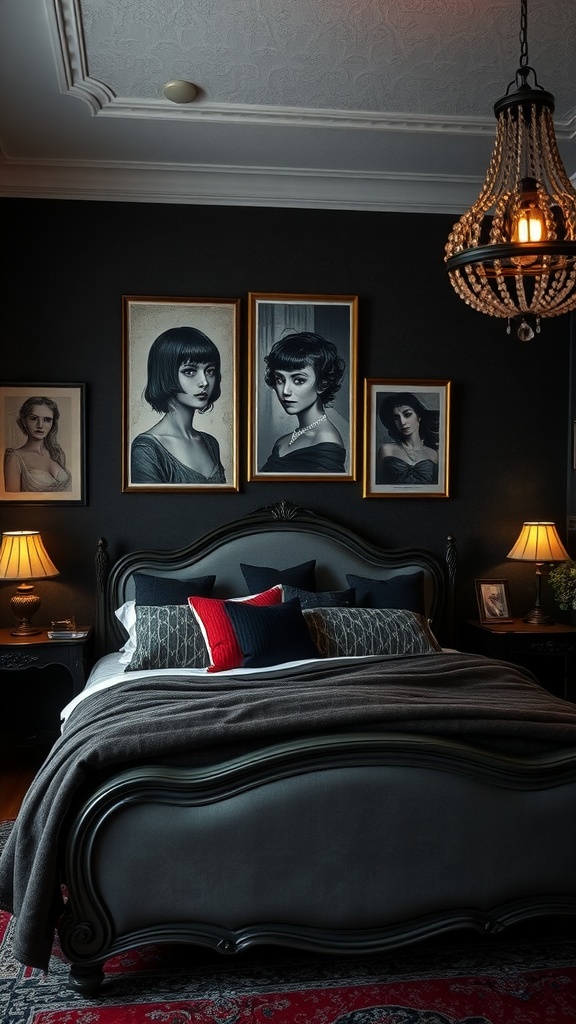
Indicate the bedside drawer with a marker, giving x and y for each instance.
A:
(548, 651)
(518, 643)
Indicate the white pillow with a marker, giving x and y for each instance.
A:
(127, 616)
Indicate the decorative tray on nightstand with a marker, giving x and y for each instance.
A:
(67, 634)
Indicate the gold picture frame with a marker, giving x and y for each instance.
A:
(153, 330)
(406, 452)
(288, 441)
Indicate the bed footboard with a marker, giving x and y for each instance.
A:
(336, 844)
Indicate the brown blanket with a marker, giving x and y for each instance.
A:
(475, 700)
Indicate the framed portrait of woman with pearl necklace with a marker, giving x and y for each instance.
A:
(302, 387)
(407, 438)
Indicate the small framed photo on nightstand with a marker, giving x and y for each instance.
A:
(493, 601)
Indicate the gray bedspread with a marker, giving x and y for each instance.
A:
(467, 697)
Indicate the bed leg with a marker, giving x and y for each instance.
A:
(86, 979)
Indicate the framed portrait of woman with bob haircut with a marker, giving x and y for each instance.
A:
(180, 394)
(406, 442)
(302, 387)
(43, 444)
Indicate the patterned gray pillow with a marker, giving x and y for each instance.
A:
(354, 632)
(168, 636)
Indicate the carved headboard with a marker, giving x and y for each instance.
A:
(278, 535)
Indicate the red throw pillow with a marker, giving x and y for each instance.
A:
(223, 648)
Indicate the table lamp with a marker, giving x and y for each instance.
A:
(24, 557)
(539, 543)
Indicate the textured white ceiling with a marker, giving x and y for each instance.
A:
(369, 104)
(362, 55)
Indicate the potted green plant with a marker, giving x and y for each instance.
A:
(562, 579)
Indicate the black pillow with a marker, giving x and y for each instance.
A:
(402, 591)
(272, 634)
(160, 590)
(261, 577)
(320, 598)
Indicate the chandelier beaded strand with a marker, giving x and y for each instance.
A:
(513, 253)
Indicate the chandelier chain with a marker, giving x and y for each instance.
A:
(524, 33)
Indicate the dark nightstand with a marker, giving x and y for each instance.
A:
(32, 699)
(548, 651)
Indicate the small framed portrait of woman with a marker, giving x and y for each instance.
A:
(406, 443)
(180, 394)
(43, 438)
(493, 601)
(302, 387)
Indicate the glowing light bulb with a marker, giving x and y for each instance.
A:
(528, 223)
(529, 227)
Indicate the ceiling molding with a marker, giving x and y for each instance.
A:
(239, 186)
(70, 56)
(131, 144)
(303, 118)
(297, 117)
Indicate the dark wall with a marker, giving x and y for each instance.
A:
(67, 265)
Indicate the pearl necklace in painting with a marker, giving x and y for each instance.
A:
(411, 452)
(298, 433)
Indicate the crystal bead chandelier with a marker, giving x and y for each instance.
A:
(513, 253)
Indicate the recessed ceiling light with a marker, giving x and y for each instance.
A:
(180, 92)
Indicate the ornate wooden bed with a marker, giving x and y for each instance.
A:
(367, 833)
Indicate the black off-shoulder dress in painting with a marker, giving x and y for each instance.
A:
(395, 471)
(326, 457)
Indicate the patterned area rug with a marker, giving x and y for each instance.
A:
(476, 982)
(527, 976)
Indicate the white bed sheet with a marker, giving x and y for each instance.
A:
(110, 671)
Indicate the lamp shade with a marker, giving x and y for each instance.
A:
(24, 557)
(539, 542)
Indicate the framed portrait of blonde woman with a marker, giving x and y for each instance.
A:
(302, 387)
(43, 441)
(180, 394)
(406, 438)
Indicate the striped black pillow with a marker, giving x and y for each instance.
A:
(271, 635)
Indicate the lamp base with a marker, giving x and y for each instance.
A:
(538, 618)
(24, 630)
(24, 604)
